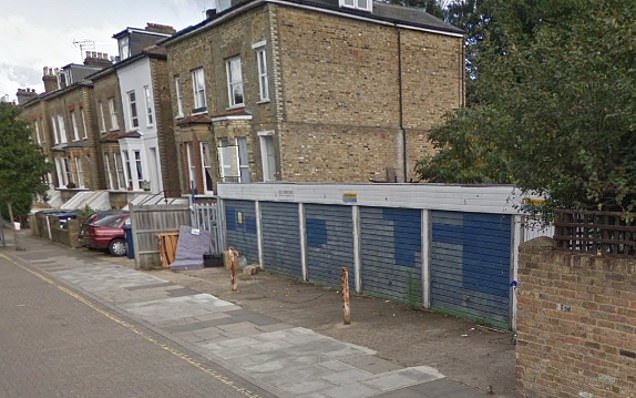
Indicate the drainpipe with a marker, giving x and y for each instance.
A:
(401, 104)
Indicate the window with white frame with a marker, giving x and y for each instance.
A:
(365, 5)
(133, 119)
(139, 170)
(148, 99)
(119, 171)
(234, 81)
(268, 155)
(192, 168)
(79, 172)
(206, 168)
(62, 128)
(56, 135)
(61, 182)
(38, 138)
(102, 119)
(124, 48)
(108, 172)
(198, 90)
(233, 160)
(74, 126)
(67, 174)
(244, 166)
(177, 91)
(85, 129)
(261, 63)
(112, 109)
(128, 170)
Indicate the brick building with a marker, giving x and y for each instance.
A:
(316, 90)
(94, 134)
(61, 118)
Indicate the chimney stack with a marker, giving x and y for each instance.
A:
(97, 59)
(25, 95)
(159, 28)
(49, 79)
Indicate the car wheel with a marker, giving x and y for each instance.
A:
(117, 247)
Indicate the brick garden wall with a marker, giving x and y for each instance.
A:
(576, 324)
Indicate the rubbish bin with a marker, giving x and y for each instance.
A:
(130, 247)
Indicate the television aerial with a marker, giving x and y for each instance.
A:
(84, 45)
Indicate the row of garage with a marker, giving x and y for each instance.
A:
(456, 257)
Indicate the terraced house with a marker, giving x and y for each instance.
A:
(309, 90)
(62, 124)
(103, 124)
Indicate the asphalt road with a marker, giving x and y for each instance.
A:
(55, 342)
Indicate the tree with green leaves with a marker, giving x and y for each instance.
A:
(22, 163)
(554, 105)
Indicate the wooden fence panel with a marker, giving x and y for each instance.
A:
(595, 232)
(149, 221)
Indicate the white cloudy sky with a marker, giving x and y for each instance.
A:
(38, 33)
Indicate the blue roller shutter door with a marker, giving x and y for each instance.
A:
(240, 222)
(329, 231)
(281, 241)
(470, 265)
(391, 253)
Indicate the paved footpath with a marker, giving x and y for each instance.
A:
(283, 359)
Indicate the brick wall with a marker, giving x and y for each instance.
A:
(334, 108)
(341, 95)
(576, 324)
(165, 127)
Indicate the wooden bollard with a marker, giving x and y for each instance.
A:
(231, 262)
(346, 308)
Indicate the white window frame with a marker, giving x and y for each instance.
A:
(364, 5)
(62, 129)
(261, 64)
(56, 136)
(233, 163)
(124, 48)
(83, 116)
(119, 171)
(242, 154)
(74, 126)
(102, 119)
(177, 91)
(192, 178)
(268, 175)
(79, 172)
(234, 81)
(109, 172)
(206, 168)
(133, 116)
(198, 91)
(61, 183)
(67, 172)
(127, 170)
(148, 102)
(112, 109)
(139, 168)
(37, 132)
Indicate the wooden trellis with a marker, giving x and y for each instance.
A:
(596, 232)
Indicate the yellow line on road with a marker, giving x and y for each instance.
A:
(179, 354)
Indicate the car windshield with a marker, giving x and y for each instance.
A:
(111, 221)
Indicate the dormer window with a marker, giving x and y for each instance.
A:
(124, 48)
(364, 5)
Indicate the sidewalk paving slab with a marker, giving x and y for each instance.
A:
(288, 360)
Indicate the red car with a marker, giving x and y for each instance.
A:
(108, 234)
